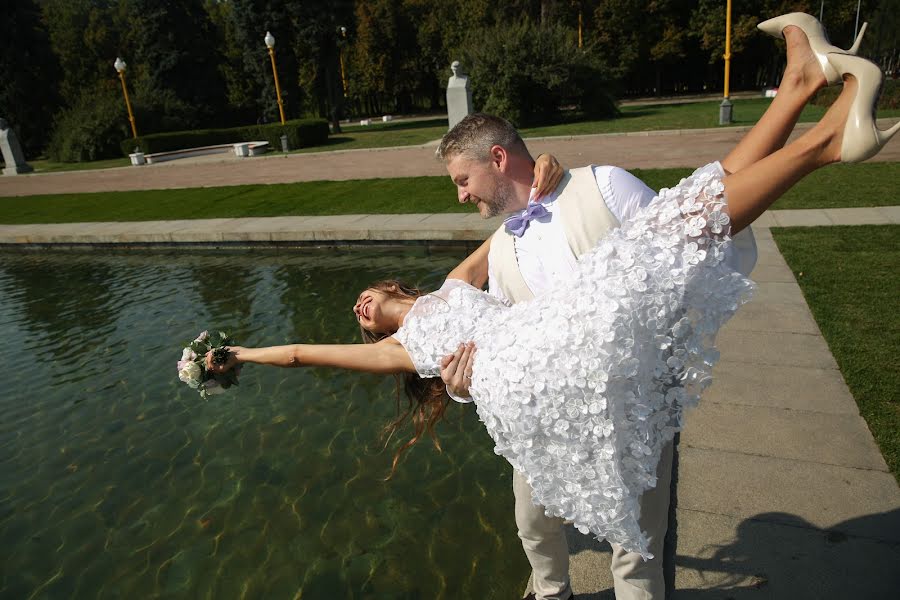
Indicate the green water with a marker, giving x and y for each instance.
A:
(117, 481)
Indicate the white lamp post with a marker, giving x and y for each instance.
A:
(270, 44)
(120, 68)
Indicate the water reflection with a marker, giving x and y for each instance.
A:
(57, 299)
(118, 481)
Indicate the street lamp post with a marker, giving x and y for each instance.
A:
(270, 44)
(341, 58)
(726, 106)
(120, 68)
(580, 39)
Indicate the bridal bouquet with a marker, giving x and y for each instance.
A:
(192, 366)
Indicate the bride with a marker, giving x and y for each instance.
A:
(581, 387)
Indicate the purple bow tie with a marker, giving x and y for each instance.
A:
(517, 224)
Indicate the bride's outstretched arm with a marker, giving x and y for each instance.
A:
(386, 356)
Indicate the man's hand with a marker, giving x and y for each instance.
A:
(456, 370)
(547, 175)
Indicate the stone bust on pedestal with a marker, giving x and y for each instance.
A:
(459, 95)
(12, 151)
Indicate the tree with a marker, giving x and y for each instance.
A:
(380, 55)
(173, 68)
(84, 39)
(647, 44)
(880, 43)
(29, 73)
(526, 73)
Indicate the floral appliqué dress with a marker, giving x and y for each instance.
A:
(580, 388)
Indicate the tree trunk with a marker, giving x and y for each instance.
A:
(546, 12)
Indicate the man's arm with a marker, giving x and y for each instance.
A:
(474, 269)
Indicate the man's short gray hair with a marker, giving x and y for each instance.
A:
(474, 136)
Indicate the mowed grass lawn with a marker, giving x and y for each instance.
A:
(869, 184)
(849, 276)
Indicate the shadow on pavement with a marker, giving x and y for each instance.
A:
(777, 555)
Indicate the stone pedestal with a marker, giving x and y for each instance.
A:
(12, 151)
(459, 95)
(725, 109)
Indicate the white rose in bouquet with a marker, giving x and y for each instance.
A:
(190, 373)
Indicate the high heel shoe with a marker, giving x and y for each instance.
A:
(818, 39)
(862, 139)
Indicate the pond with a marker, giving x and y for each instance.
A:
(118, 481)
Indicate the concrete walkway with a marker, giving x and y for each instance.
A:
(782, 491)
(343, 229)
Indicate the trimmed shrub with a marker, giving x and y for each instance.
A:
(301, 133)
(889, 99)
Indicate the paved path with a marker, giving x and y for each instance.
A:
(453, 227)
(682, 148)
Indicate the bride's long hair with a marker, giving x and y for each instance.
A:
(426, 399)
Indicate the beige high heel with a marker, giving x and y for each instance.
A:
(818, 39)
(862, 139)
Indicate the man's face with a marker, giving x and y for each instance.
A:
(481, 183)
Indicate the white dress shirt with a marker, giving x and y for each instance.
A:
(543, 251)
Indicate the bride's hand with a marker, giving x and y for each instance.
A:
(547, 175)
(231, 363)
(456, 370)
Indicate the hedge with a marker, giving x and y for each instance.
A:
(301, 133)
(889, 98)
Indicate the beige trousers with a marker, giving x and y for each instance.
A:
(544, 541)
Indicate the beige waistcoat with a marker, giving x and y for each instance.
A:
(585, 219)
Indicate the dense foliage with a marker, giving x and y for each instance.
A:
(527, 73)
(203, 64)
(92, 128)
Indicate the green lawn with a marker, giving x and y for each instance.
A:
(693, 115)
(838, 186)
(49, 166)
(870, 184)
(850, 280)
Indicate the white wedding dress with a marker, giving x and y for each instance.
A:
(580, 388)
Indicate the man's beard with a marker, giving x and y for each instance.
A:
(502, 197)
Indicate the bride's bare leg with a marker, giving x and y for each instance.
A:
(752, 189)
(802, 78)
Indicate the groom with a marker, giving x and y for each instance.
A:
(535, 249)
